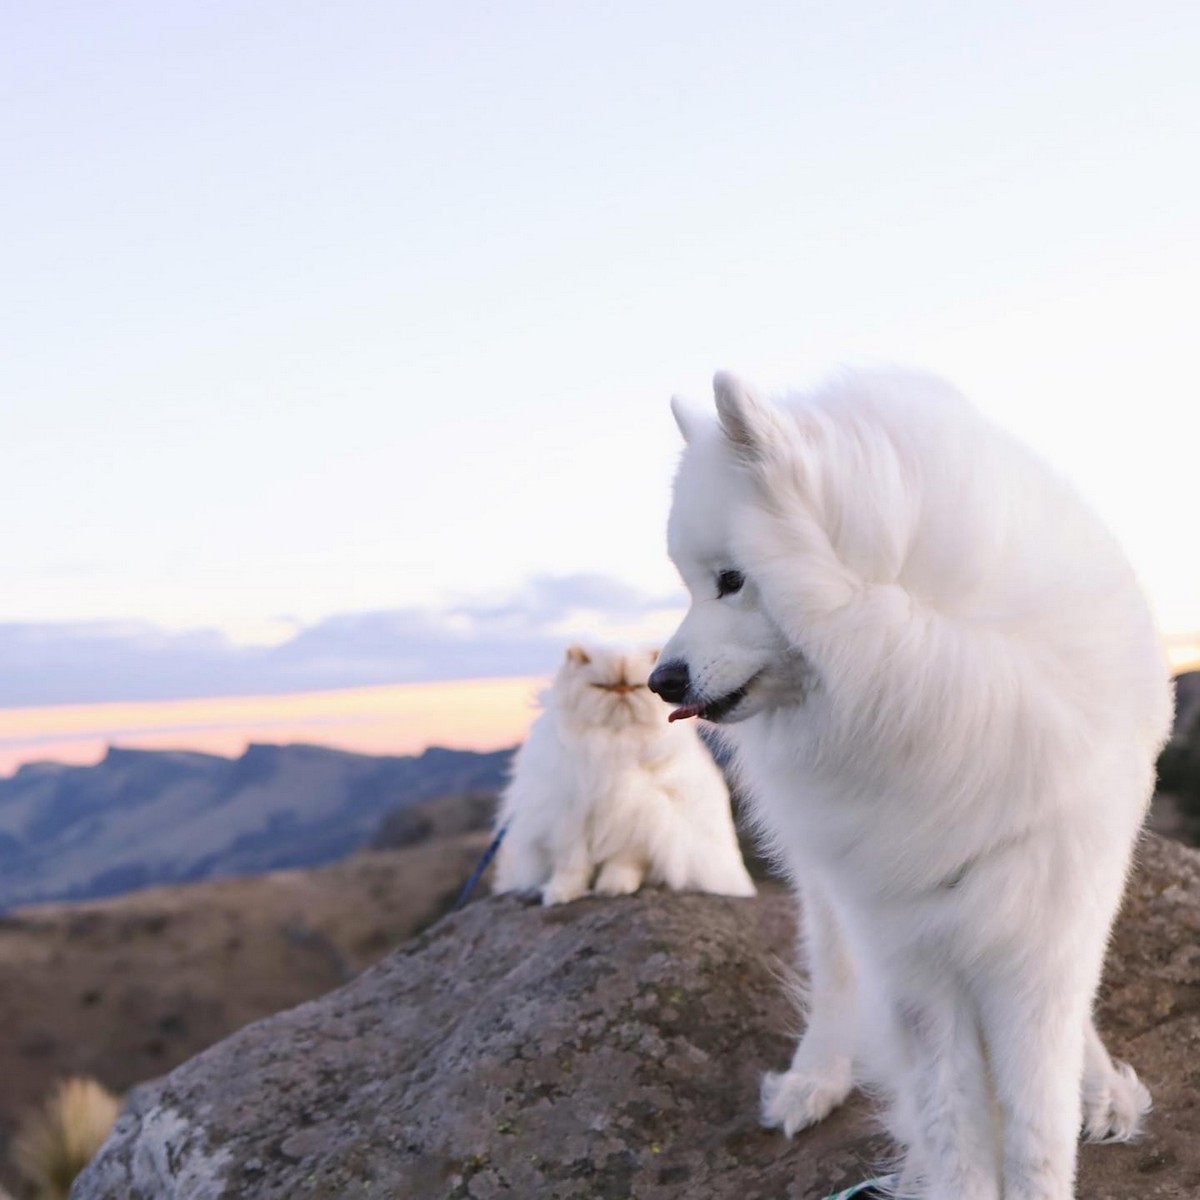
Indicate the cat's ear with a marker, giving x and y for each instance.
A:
(578, 655)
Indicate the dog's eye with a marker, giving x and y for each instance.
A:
(729, 582)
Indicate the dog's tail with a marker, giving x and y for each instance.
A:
(58, 1139)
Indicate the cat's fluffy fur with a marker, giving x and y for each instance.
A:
(606, 794)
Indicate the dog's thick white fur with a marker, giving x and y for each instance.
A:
(946, 695)
(605, 787)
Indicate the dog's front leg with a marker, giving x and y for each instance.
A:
(1036, 1029)
(822, 1071)
(943, 1109)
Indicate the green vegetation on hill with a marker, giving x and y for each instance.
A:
(1179, 771)
(1179, 764)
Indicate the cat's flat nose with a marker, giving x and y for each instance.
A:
(671, 680)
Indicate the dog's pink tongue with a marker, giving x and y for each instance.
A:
(682, 714)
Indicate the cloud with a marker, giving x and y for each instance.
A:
(521, 634)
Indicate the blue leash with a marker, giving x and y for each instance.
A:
(866, 1191)
(484, 863)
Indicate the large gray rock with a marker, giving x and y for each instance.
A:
(604, 1049)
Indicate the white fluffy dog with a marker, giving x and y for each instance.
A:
(946, 695)
(604, 786)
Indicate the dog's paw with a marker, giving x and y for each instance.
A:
(794, 1100)
(618, 879)
(1114, 1105)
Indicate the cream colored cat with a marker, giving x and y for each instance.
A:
(607, 794)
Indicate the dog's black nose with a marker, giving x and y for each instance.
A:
(670, 680)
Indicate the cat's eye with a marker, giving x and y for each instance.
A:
(729, 582)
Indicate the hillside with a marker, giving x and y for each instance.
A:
(1187, 702)
(126, 989)
(143, 818)
(1176, 808)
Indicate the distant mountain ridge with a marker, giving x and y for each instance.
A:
(145, 817)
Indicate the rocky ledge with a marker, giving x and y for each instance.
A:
(609, 1048)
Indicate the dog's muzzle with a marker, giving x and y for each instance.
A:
(671, 681)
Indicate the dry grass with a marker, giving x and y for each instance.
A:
(56, 1141)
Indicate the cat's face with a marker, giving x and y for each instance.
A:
(599, 686)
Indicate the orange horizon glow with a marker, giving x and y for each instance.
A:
(479, 714)
(1183, 651)
(473, 714)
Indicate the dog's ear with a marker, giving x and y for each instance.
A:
(578, 655)
(687, 416)
(750, 425)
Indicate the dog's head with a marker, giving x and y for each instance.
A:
(729, 659)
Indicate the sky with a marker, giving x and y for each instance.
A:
(336, 341)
